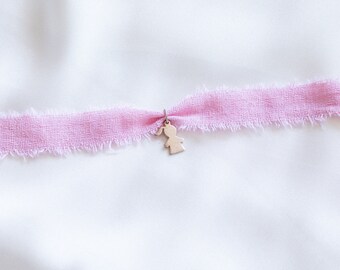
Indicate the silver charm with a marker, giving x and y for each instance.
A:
(174, 143)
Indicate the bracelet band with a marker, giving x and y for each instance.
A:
(29, 134)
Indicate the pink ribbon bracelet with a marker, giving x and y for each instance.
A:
(29, 134)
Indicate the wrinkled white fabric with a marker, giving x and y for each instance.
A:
(247, 200)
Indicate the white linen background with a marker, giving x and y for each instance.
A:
(245, 200)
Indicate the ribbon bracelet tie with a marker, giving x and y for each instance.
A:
(29, 134)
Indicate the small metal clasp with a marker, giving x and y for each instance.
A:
(166, 117)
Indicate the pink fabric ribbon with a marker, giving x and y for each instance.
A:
(29, 134)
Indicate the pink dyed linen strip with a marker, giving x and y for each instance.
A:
(29, 134)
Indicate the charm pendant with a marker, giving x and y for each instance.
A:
(174, 143)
